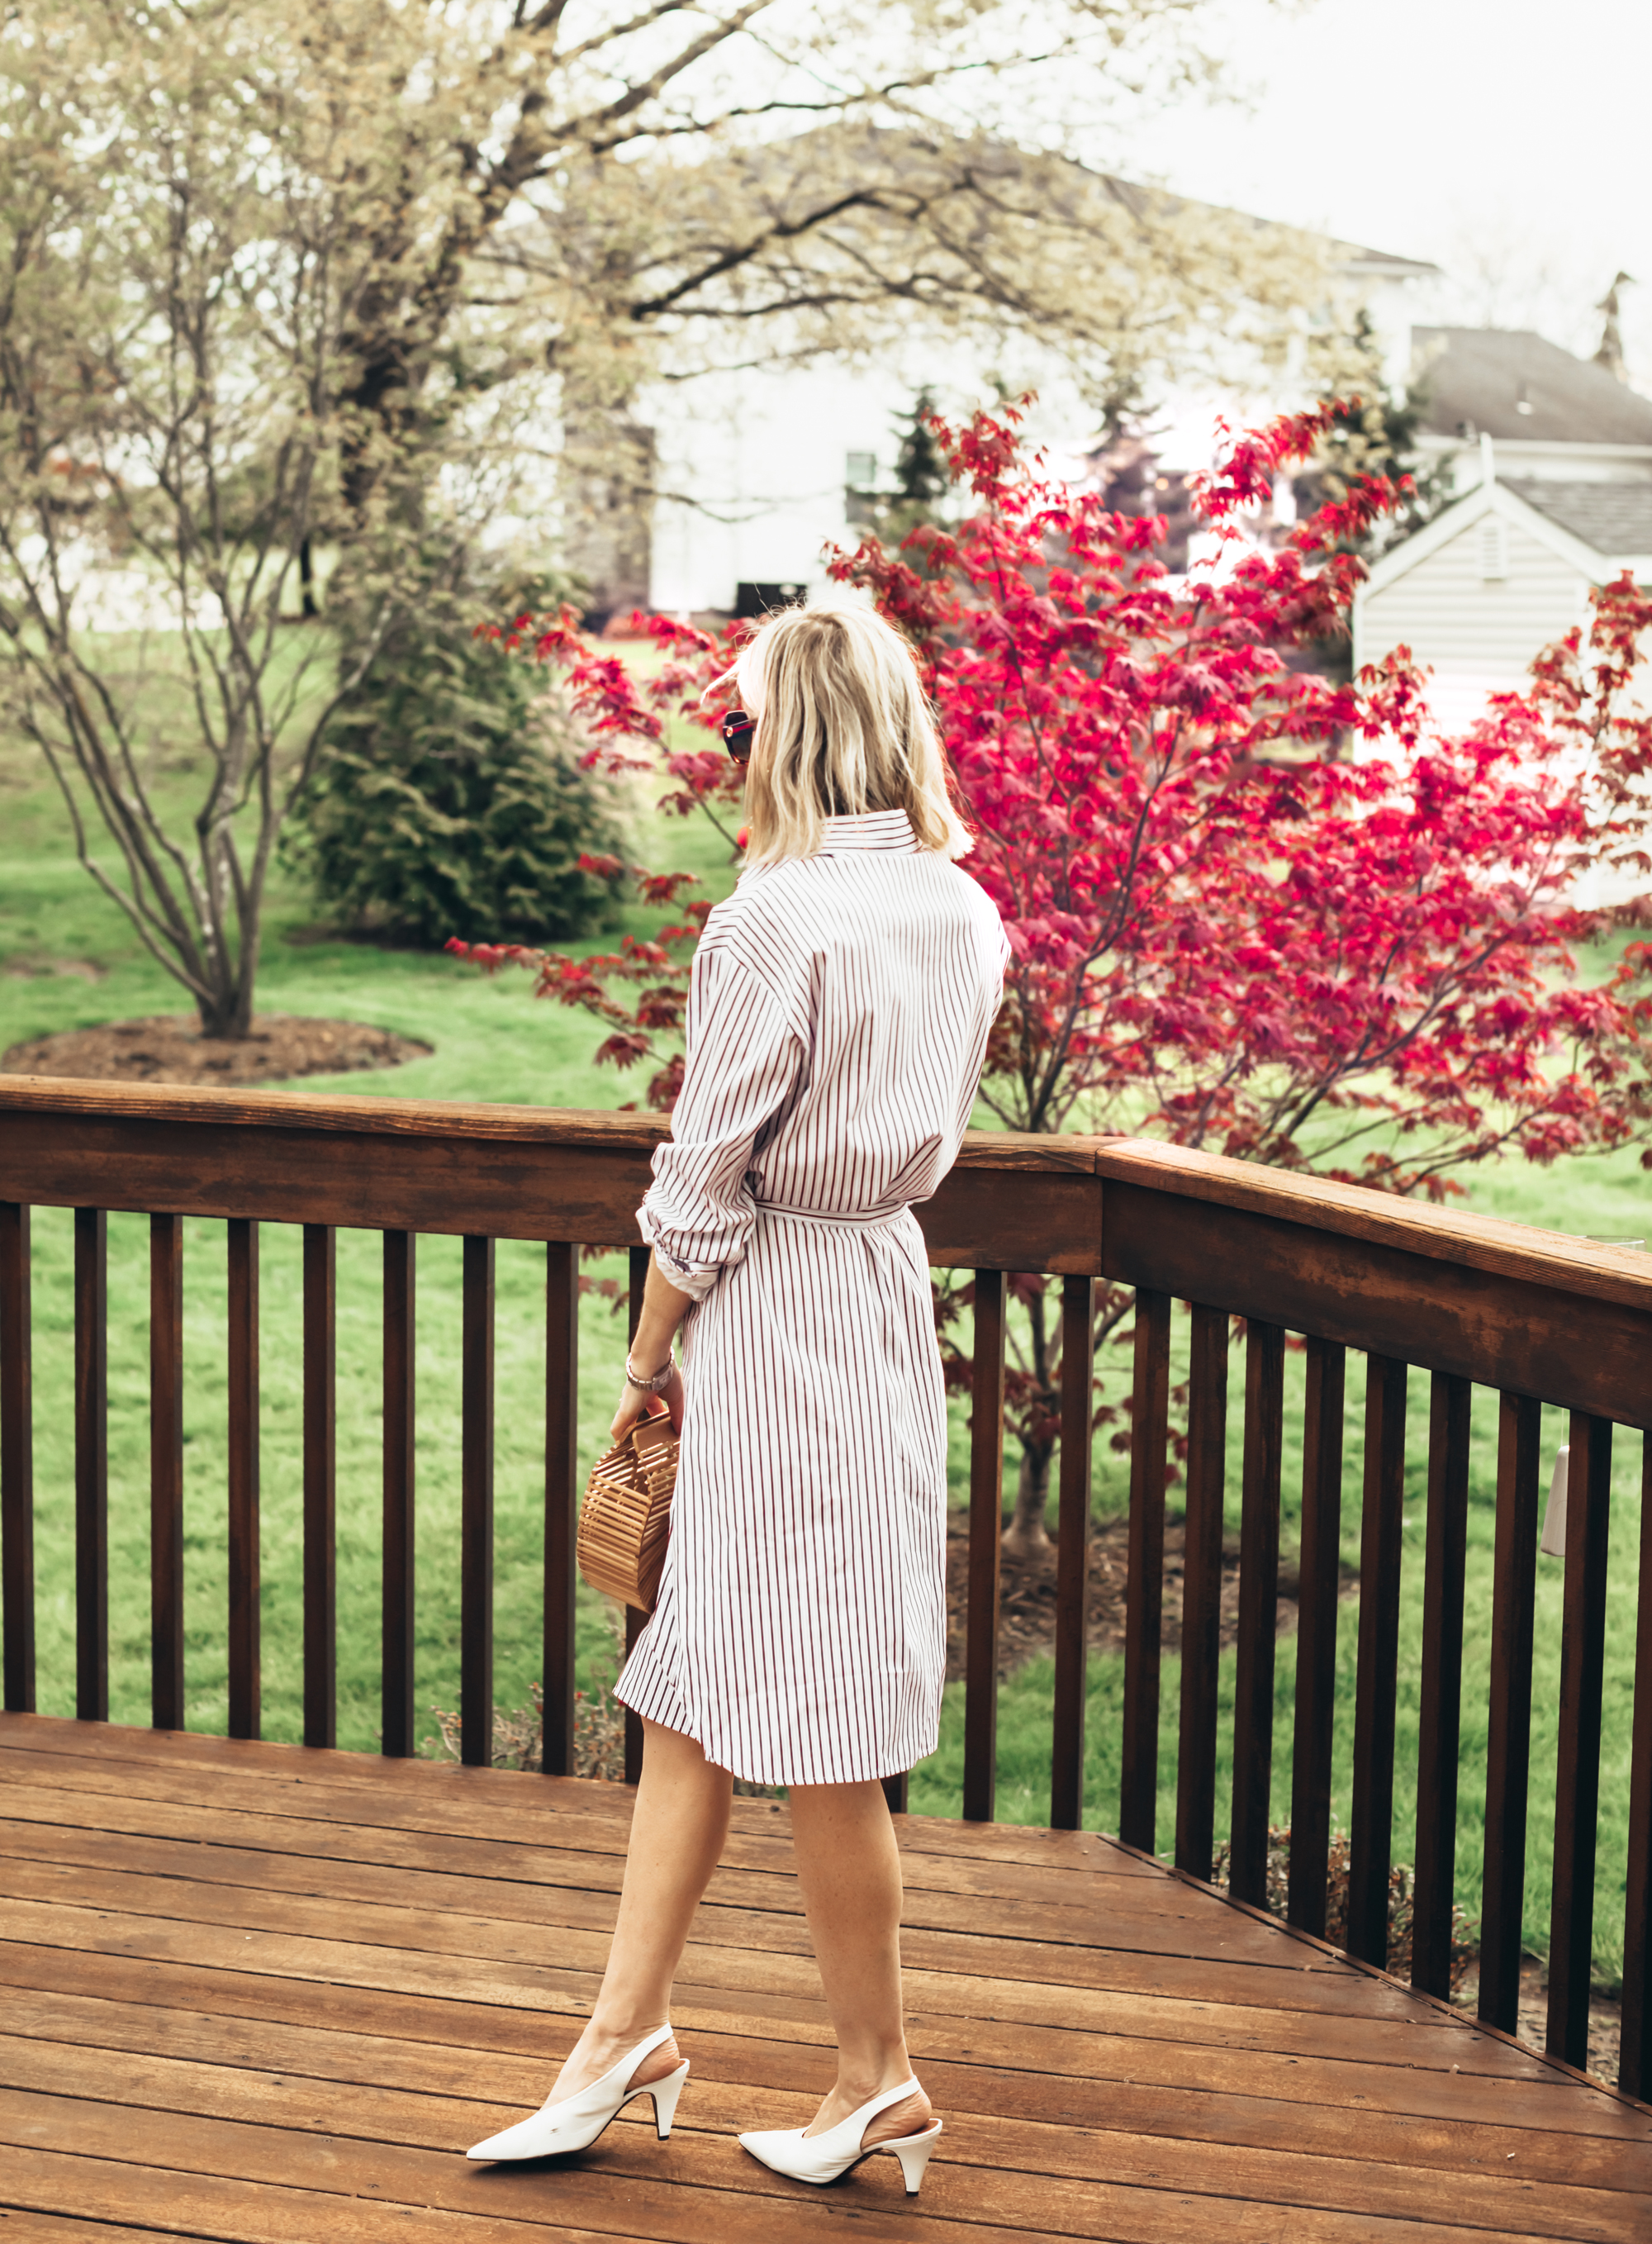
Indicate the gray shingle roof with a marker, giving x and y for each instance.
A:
(1615, 519)
(1477, 379)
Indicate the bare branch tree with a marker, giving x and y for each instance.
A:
(172, 301)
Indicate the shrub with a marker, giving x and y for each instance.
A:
(450, 802)
(1401, 1884)
(519, 1733)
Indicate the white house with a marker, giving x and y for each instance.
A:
(756, 468)
(1554, 456)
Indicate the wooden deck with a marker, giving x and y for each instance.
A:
(262, 1993)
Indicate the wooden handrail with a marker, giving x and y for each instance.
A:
(1488, 1243)
(1528, 1312)
(502, 1172)
(1537, 1316)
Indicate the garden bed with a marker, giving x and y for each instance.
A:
(1027, 1607)
(169, 1047)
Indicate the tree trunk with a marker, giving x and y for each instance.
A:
(609, 481)
(227, 1011)
(1025, 1534)
(227, 1016)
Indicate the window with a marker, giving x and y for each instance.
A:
(861, 471)
(1493, 549)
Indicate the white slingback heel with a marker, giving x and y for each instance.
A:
(822, 2158)
(574, 2122)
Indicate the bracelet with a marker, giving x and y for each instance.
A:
(658, 1384)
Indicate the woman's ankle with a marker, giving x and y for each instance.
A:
(599, 2049)
(857, 2087)
(910, 2117)
(864, 2079)
(622, 2027)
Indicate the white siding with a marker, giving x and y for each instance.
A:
(1477, 637)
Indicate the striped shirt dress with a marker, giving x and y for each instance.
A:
(837, 1022)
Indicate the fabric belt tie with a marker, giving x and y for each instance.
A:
(853, 1220)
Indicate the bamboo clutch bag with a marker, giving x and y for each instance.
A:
(626, 1517)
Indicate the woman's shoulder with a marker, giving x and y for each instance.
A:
(977, 906)
(773, 908)
(754, 927)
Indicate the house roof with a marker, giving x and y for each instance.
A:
(1508, 382)
(1380, 264)
(919, 153)
(1493, 497)
(1612, 517)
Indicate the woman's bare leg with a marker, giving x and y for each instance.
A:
(677, 1828)
(849, 1868)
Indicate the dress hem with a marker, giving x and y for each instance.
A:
(684, 1728)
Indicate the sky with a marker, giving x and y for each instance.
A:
(1507, 141)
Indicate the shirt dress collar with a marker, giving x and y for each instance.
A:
(889, 830)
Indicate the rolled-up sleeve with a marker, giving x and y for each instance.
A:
(743, 1062)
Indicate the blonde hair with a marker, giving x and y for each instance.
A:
(844, 727)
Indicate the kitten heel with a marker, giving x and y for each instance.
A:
(914, 2154)
(665, 2093)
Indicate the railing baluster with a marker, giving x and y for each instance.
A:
(245, 1660)
(1635, 2064)
(986, 1540)
(91, 1464)
(1440, 1714)
(635, 1621)
(1381, 1543)
(1316, 1700)
(1202, 1590)
(166, 1471)
(475, 1592)
(1577, 1775)
(321, 1486)
(1144, 1591)
(562, 1501)
(1508, 1742)
(1259, 1614)
(1072, 1561)
(399, 1537)
(16, 1460)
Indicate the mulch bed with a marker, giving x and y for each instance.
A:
(169, 1047)
(1027, 1609)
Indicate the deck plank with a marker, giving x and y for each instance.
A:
(631, 2183)
(330, 1972)
(1004, 2157)
(474, 1925)
(751, 1869)
(445, 1791)
(62, 2228)
(735, 2078)
(1408, 2039)
(735, 1902)
(722, 1979)
(232, 2005)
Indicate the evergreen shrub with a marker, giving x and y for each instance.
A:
(449, 801)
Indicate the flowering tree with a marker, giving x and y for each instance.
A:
(1224, 929)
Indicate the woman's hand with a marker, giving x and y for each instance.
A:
(634, 1404)
(663, 1310)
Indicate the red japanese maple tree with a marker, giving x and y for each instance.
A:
(1251, 909)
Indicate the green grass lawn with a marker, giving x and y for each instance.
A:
(68, 959)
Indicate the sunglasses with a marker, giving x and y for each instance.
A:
(737, 729)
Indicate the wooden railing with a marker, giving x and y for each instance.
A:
(1533, 1316)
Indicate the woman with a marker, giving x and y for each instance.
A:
(838, 1018)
